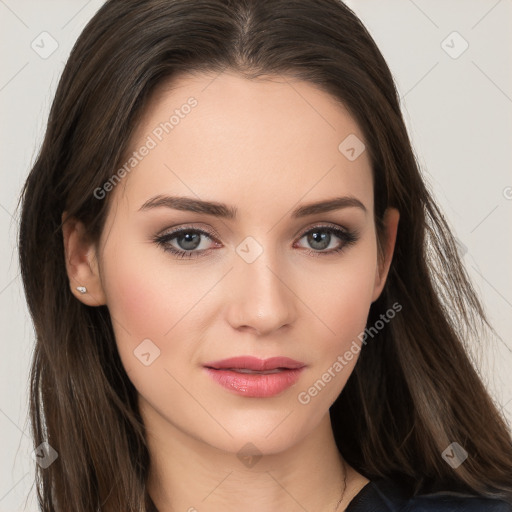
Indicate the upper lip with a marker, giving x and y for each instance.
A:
(254, 363)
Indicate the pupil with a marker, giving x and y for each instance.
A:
(319, 237)
(191, 241)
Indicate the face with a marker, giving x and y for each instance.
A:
(265, 279)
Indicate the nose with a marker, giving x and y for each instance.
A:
(261, 296)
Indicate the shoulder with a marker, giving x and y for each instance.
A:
(389, 496)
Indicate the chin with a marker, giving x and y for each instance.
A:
(268, 433)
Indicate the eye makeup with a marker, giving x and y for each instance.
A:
(346, 237)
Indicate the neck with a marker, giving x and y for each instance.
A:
(188, 475)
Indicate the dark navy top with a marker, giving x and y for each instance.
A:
(387, 496)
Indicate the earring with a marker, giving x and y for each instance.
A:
(81, 289)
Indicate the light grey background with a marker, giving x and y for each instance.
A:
(458, 111)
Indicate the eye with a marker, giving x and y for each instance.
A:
(187, 240)
(321, 238)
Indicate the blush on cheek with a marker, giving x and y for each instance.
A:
(345, 306)
(137, 307)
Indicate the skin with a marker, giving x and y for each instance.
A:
(265, 147)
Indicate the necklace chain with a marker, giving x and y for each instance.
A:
(344, 485)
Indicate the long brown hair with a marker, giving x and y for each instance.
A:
(414, 390)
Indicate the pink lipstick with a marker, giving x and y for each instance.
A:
(257, 378)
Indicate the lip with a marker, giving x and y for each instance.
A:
(254, 363)
(286, 372)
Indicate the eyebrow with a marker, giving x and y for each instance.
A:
(230, 212)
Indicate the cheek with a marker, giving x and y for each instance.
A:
(143, 304)
(150, 298)
(341, 304)
(341, 295)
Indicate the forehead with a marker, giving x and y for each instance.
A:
(227, 138)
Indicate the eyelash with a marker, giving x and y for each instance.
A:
(348, 238)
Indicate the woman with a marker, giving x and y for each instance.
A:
(252, 300)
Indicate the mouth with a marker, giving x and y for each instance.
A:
(256, 378)
(247, 364)
(256, 372)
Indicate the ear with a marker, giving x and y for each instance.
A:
(81, 262)
(391, 218)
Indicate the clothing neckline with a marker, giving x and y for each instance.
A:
(357, 497)
(381, 495)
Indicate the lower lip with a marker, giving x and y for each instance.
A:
(256, 385)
